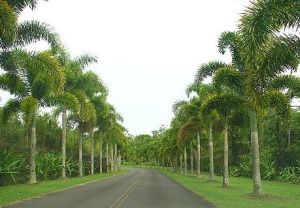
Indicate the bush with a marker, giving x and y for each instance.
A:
(48, 166)
(289, 174)
(244, 168)
(12, 166)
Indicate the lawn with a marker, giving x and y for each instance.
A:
(277, 194)
(14, 193)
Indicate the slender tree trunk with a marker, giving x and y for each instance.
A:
(198, 155)
(92, 152)
(120, 161)
(192, 160)
(100, 155)
(32, 176)
(116, 157)
(211, 154)
(181, 168)
(289, 138)
(64, 141)
(185, 162)
(107, 161)
(80, 154)
(225, 169)
(257, 185)
(289, 127)
(112, 157)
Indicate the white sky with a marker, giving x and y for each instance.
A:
(148, 51)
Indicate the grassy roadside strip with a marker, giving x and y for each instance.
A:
(14, 193)
(278, 195)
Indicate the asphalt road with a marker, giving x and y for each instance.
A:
(139, 188)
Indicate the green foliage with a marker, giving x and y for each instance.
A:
(28, 108)
(48, 166)
(244, 168)
(8, 24)
(11, 166)
(265, 18)
(19, 5)
(34, 31)
(208, 70)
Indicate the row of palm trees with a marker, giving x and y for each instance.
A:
(262, 51)
(52, 78)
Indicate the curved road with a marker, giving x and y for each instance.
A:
(139, 188)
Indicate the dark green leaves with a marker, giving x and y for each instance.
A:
(263, 19)
(8, 24)
(34, 31)
(208, 69)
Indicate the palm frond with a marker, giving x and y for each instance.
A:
(29, 107)
(91, 84)
(177, 105)
(34, 31)
(224, 104)
(229, 77)
(66, 101)
(8, 24)
(20, 5)
(85, 60)
(187, 130)
(262, 19)
(47, 67)
(208, 69)
(11, 107)
(11, 83)
(282, 53)
(12, 60)
(279, 102)
(229, 40)
(283, 82)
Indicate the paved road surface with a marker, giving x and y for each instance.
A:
(139, 188)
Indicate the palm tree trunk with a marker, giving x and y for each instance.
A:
(185, 162)
(211, 154)
(198, 155)
(116, 157)
(181, 168)
(100, 155)
(107, 163)
(112, 157)
(289, 127)
(32, 176)
(92, 152)
(192, 161)
(257, 185)
(225, 171)
(120, 161)
(64, 141)
(80, 154)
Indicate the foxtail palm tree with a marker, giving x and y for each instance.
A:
(38, 76)
(258, 30)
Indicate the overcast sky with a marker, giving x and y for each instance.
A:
(148, 51)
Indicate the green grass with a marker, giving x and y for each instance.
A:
(15, 193)
(277, 194)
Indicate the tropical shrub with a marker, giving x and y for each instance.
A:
(12, 166)
(48, 166)
(289, 174)
(244, 168)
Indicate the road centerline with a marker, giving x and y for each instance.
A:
(125, 195)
